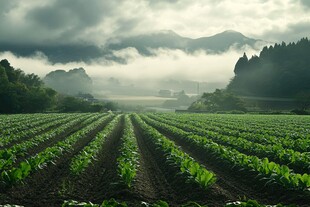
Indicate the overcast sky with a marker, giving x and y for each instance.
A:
(61, 22)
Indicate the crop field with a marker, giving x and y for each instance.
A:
(147, 158)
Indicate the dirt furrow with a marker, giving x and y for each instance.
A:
(151, 184)
(184, 191)
(44, 187)
(99, 181)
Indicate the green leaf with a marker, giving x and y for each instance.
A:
(193, 204)
(160, 204)
(112, 203)
(18, 174)
(25, 168)
(73, 203)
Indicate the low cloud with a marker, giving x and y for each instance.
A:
(167, 64)
(305, 3)
(291, 33)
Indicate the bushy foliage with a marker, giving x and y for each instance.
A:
(77, 104)
(22, 93)
(220, 100)
(26, 93)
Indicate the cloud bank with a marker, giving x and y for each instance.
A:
(94, 21)
(166, 65)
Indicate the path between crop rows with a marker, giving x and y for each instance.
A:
(99, 181)
(151, 184)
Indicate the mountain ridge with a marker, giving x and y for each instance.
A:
(169, 39)
(146, 45)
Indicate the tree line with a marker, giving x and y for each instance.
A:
(26, 93)
(280, 71)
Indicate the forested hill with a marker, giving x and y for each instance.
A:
(282, 70)
(27, 93)
(73, 82)
(22, 93)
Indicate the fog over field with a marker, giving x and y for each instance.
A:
(165, 65)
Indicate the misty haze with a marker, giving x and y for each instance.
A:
(154, 103)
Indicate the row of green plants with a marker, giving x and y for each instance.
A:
(50, 154)
(15, 120)
(271, 172)
(300, 162)
(191, 170)
(106, 203)
(11, 120)
(26, 131)
(293, 127)
(285, 128)
(90, 152)
(113, 203)
(9, 156)
(128, 161)
(9, 128)
(259, 121)
(300, 141)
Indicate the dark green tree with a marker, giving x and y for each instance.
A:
(303, 100)
(73, 104)
(22, 93)
(220, 100)
(241, 64)
(279, 71)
